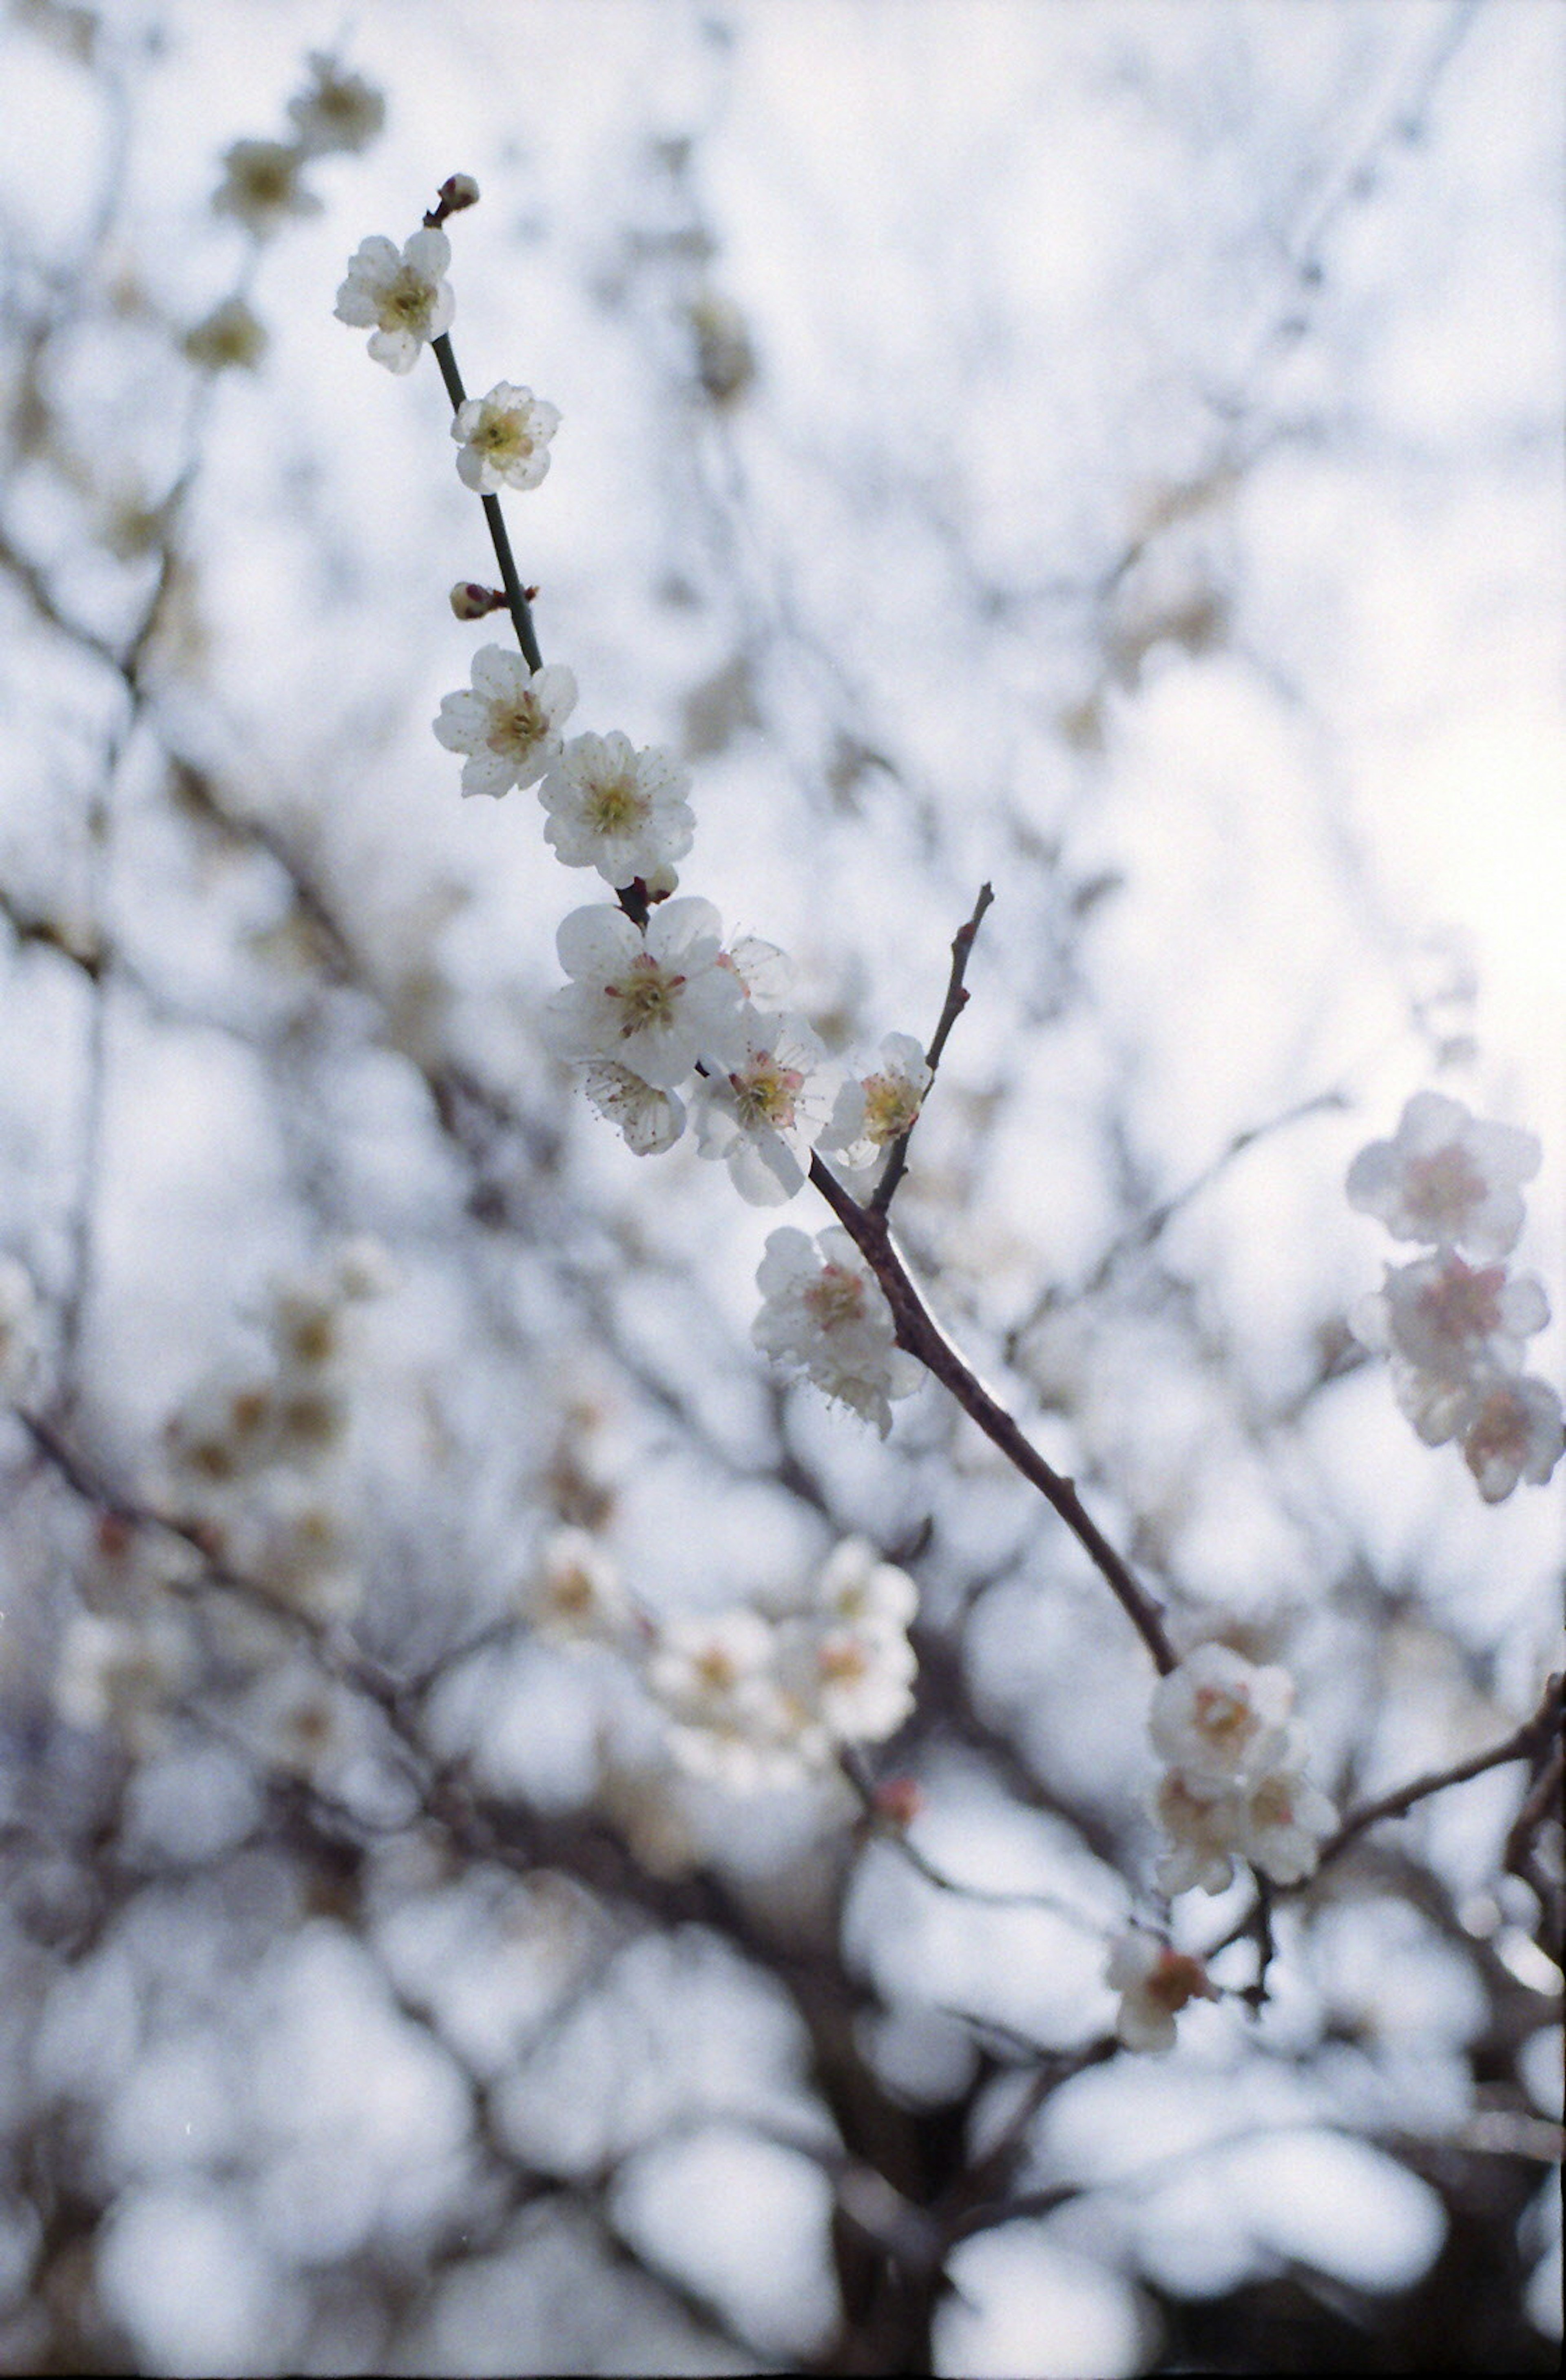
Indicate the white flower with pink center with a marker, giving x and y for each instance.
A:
(825, 1316)
(1283, 1821)
(763, 1114)
(1511, 1429)
(1203, 1828)
(1221, 1719)
(652, 1003)
(1447, 1178)
(1154, 1981)
(509, 724)
(402, 294)
(1448, 1318)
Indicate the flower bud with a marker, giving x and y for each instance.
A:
(459, 190)
(471, 601)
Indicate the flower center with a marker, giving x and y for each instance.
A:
(766, 1092)
(1442, 1187)
(406, 301)
(1462, 1303)
(648, 997)
(836, 1298)
(515, 726)
(613, 804)
(891, 1106)
(1502, 1430)
(1222, 1717)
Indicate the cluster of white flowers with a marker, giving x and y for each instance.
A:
(262, 185)
(747, 1701)
(1453, 1330)
(666, 1022)
(1235, 1787)
(254, 1452)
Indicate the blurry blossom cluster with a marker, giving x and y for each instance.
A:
(1454, 1331)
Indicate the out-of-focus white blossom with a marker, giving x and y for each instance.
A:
(729, 1717)
(857, 1589)
(1447, 1178)
(1155, 1983)
(826, 1316)
(19, 1327)
(652, 1001)
(508, 725)
(761, 1116)
(401, 292)
(1284, 1820)
(1221, 1719)
(651, 1121)
(505, 439)
(863, 1682)
(575, 1598)
(119, 1673)
(874, 1109)
(1448, 1318)
(225, 1430)
(1203, 1830)
(614, 809)
(338, 112)
(229, 337)
(1511, 1429)
(260, 186)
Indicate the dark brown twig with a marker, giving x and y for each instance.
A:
(955, 1001)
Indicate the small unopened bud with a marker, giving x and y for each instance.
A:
(471, 601)
(459, 190)
(898, 1800)
(660, 883)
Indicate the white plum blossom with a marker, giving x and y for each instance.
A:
(729, 1715)
(1448, 1318)
(229, 337)
(505, 439)
(1284, 1820)
(826, 1316)
(763, 1114)
(508, 725)
(121, 1673)
(1447, 1178)
(1219, 1718)
(651, 1121)
(1204, 1831)
(260, 186)
(653, 1001)
(614, 809)
(1155, 1983)
(874, 1109)
(864, 1682)
(19, 1327)
(857, 1589)
(339, 112)
(1511, 1429)
(402, 294)
(576, 1598)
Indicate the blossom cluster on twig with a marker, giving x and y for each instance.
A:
(1453, 1330)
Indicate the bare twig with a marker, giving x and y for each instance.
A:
(955, 1001)
(919, 1334)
